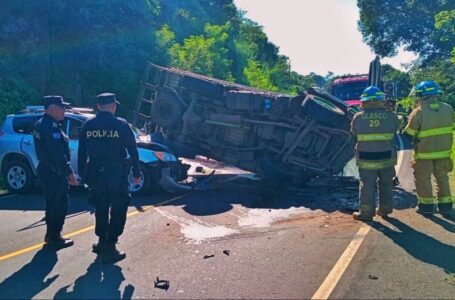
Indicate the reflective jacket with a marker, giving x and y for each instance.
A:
(375, 130)
(431, 126)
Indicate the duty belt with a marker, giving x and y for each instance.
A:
(109, 163)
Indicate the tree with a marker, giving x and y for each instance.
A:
(402, 79)
(388, 24)
(204, 54)
(443, 73)
(445, 24)
(259, 76)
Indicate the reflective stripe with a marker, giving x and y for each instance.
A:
(445, 199)
(432, 155)
(410, 131)
(375, 165)
(434, 132)
(375, 137)
(425, 200)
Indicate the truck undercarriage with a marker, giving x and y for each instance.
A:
(271, 134)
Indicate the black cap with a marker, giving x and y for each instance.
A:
(55, 100)
(106, 98)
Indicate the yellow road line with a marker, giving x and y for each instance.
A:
(342, 264)
(345, 259)
(85, 229)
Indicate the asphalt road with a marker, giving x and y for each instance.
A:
(246, 239)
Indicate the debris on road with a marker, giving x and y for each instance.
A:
(162, 284)
(451, 279)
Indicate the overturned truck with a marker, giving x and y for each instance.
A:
(271, 134)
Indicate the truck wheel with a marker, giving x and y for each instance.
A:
(144, 184)
(18, 176)
(167, 111)
(323, 111)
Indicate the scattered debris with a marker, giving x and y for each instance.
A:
(227, 252)
(451, 279)
(372, 277)
(162, 284)
(209, 256)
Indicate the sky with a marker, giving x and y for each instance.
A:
(317, 35)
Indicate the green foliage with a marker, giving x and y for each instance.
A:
(204, 54)
(259, 76)
(443, 73)
(389, 24)
(445, 24)
(80, 49)
(402, 79)
(14, 92)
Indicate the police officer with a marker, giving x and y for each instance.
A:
(375, 129)
(431, 128)
(103, 147)
(54, 169)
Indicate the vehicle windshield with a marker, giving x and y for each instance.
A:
(349, 90)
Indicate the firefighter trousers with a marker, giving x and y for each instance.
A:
(439, 168)
(372, 180)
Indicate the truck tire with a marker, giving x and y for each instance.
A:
(323, 111)
(167, 111)
(18, 176)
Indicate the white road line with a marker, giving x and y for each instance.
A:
(400, 154)
(342, 264)
(331, 281)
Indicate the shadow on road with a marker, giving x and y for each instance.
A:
(30, 279)
(421, 246)
(99, 282)
(242, 191)
(449, 226)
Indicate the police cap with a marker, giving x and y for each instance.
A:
(55, 100)
(106, 98)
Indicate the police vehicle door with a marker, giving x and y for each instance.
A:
(24, 125)
(73, 127)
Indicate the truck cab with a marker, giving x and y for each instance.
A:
(349, 88)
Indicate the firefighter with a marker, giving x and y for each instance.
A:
(54, 169)
(431, 128)
(375, 128)
(103, 146)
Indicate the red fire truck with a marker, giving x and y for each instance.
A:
(349, 88)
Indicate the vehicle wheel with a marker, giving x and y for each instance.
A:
(144, 183)
(18, 176)
(167, 111)
(323, 111)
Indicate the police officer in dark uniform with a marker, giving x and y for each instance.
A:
(54, 169)
(103, 146)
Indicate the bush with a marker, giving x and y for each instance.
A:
(15, 93)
